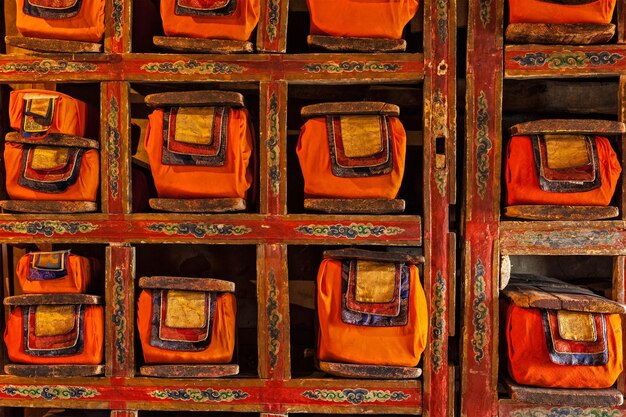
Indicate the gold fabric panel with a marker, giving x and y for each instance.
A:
(375, 281)
(361, 135)
(186, 309)
(576, 326)
(40, 106)
(566, 151)
(194, 125)
(54, 320)
(46, 157)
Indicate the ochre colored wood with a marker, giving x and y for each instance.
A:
(52, 45)
(54, 139)
(350, 370)
(195, 98)
(65, 207)
(555, 126)
(358, 206)
(609, 397)
(373, 255)
(189, 371)
(350, 107)
(198, 205)
(559, 34)
(338, 44)
(190, 284)
(551, 213)
(52, 299)
(209, 46)
(53, 371)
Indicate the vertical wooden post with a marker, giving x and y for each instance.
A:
(120, 308)
(273, 311)
(439, 193)
(482, 208)
(621, 102)
(118, 26)
(124, 413)
(272, 28)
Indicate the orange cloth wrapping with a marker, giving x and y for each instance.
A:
(530, 364)
(348, 343)
(235, 26)
(522, 183)
(86, 25)
(232, 180)
(89, 354)
(222, 334)
(76, 280)
(84, 189)
(361, 18)
(540, 11)
(70, 114)
(315, 161)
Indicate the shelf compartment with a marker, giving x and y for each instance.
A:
(609, 397)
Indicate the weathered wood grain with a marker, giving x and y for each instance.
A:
(198, 205)
(552, 213)
(350, 107)
(341, 44)
(52, 45)
(351, 253)
(535, 291)
(39, 206)
(609, 397)
(582, 126)
(356, 205)
(53, 371)
(195, 98)
(189, 371)
(209, 46)
(190, 284)
(559, 34)
(52, 299)
(350, 370)
(54, 139)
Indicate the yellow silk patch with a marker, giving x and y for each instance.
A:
(361, 135)
(375, 281)
(45, 157)
(185, 309)
(194, 125)
(566, 151)
(54, 320)
(576, 326)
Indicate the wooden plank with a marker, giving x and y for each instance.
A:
(54, 139)
(189, 371)
(351, 253)
(609, 397)
(195, 98)
(559, 34)
(49, 207)
(52, 45)
(210, 46)
(551, 213)
(198, 205)
(342, 44)
(190, 284)
(355, 205)
(52, 299)
(350, 370)
(53, 371)
(564, 126)
(350, 107)
(272, 27)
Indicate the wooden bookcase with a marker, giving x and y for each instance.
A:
(274, 237)
(508, 84)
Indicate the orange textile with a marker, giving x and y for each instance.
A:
(87, 25)
(69, 118)
(522, 183)
(319, 181)
(530, 364)
(77, 279)
(222, 344)
(361, 18)
(235, 26)
(90, 353)
(232, 180)
(84, 189)
(546, 11)
(348, 343)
